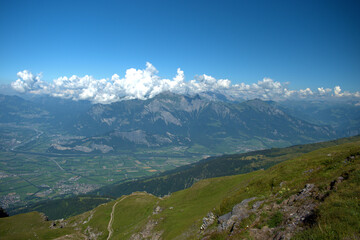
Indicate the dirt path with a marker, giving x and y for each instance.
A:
(113, 210)
(112, 218)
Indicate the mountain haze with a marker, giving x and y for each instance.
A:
(176, 120)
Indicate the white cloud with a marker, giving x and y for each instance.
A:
(337, 91)
(305, 92)
(145, 83)
(27, 81)
(323, 91)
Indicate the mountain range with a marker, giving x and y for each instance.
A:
(215, 126)
(54, 149)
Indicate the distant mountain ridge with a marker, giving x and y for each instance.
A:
(168, 120)
(175, 120)
(342, 116)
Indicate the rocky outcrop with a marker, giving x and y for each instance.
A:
(148, 232)
(288, 216)
(157, 210)
(238, 213)
(208, 221)
(58, 224)
(91, 233)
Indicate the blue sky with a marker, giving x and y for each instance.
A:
(307, 43)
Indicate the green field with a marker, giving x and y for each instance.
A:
(29, 173)
(33, 176)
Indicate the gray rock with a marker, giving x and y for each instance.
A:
(305, 192)
(239, 212)
(224, 217)
(157, 210)
(207, 221)
(257, 204)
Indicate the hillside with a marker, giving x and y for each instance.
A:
(183, 177)
(316, 193)
(176, 179)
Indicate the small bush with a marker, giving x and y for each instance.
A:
(217, 236)
(275, 219)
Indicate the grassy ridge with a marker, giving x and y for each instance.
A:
(132, 214)
(181, 213)
(326, 164)
(183, 177)
(180, 178)
(191, 205)
(29, 226)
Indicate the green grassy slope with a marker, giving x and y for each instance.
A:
(131, 214)
(29, 226)
(178, 179)
(183, 177)
(179, 216)
(339, 216)
(319, 167)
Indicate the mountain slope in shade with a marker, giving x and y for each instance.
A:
(14, 109)
(342, 115)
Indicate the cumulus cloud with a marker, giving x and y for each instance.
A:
(146, 83)
(339, 93)
(27, 81)
(323, 91)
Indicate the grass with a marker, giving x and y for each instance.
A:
(338, 217)
(100, 219)
(29, 226)
(222, 194)
(191, 205)
(275, 219)
(131, 214)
